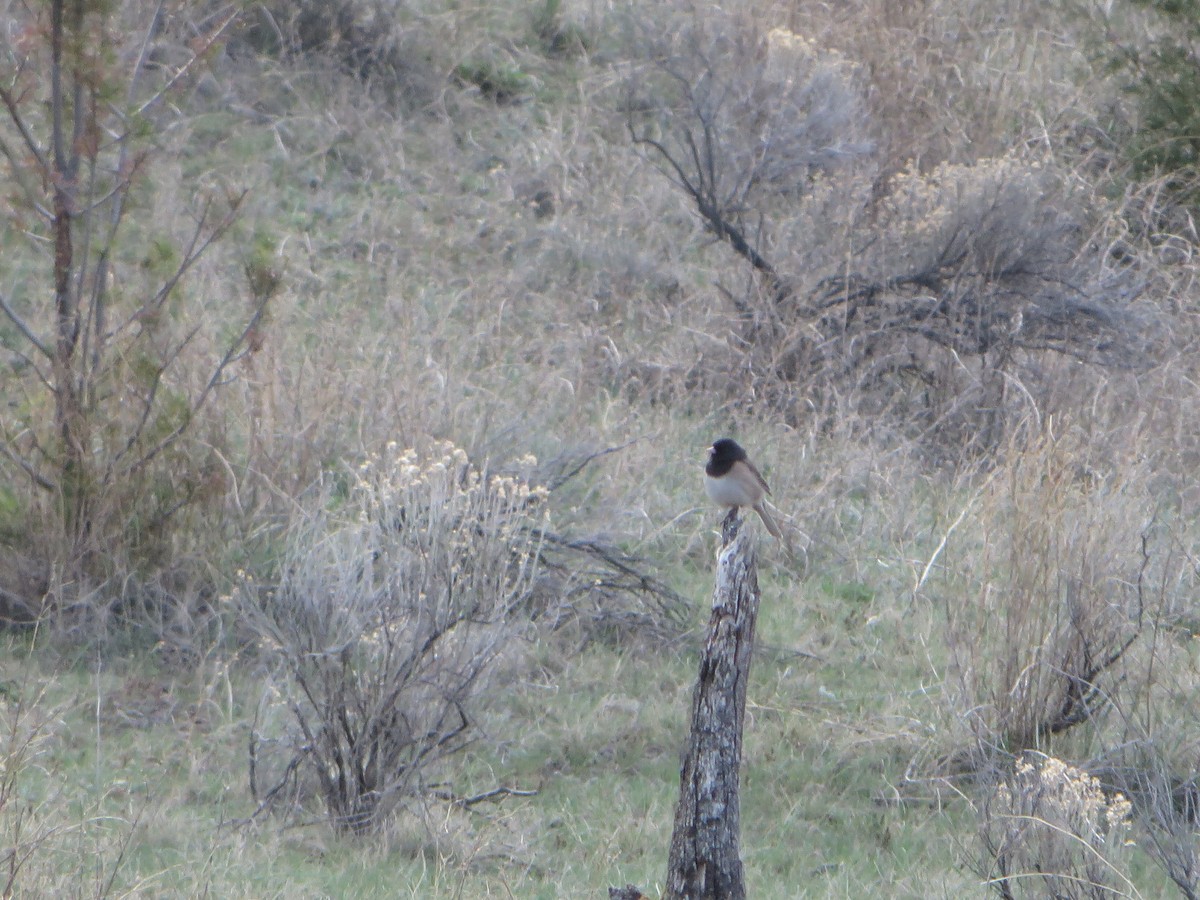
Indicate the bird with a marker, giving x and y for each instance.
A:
(730, 479)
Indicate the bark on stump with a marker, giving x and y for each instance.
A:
(705, 860)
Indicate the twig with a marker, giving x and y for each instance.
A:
(496, 794)
(946, 537)
(563, 478)
(24, 328)
(209, 40)
(38, 478)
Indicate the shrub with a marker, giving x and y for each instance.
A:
(980, 262)
(863, 286)
(742, 119)
(383, 43)
(1164, 785)
(394, 609)
(1050, 830)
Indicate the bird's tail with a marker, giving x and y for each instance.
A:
(768, 520)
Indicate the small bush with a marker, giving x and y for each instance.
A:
(741, 118)
(394, 609)
(1050, 830)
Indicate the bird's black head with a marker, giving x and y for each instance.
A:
(725, 453)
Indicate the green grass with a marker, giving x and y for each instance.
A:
(598, 738)
(599, 741)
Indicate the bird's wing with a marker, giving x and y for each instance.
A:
(757, 476)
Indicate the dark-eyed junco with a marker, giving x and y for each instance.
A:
(731, 480)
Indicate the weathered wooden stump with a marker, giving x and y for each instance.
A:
(705, 860)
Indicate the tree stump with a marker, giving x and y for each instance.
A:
(705, 860)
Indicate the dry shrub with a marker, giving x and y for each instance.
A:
(364, 36)
(411, 55)
(970, 281)
(1054, 594)
(1163, 783)
(916, 297)
(1050, 830)
(1153, 756)
(395, 607)
(742, 119)
(740, 115)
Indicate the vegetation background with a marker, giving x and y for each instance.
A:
(359, 358)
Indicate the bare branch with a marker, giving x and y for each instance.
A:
(197, 246)
(229, 18)
(20, 172)
(28, 468)
(561, 478)
(14, 113)
(24, 328)
(495, 794)
(144, 53)
(148, 401)
(43, 378)
(231, 356)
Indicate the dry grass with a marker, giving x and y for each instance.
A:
(1056, 590)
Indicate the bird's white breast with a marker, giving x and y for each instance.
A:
(727, 492)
